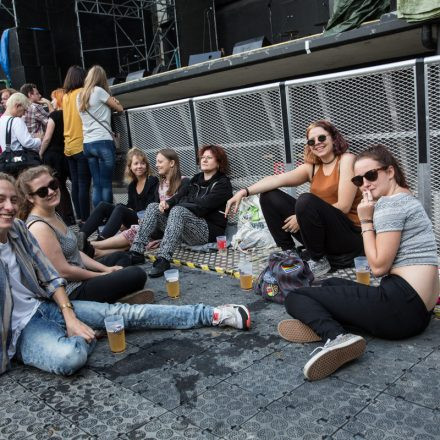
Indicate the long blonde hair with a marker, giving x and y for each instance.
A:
(132, 153)
(23, 188)
(96, 76)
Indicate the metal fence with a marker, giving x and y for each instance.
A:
(262, 128)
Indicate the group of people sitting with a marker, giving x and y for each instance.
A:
(356, 205)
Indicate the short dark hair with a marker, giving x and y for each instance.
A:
(74, 79)
(381, 154)
(27, 88)
(219, 154)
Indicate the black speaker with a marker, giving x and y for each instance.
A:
(31, 13)
(251, 44)
(46, 78)
(30, 47)
(202, 57)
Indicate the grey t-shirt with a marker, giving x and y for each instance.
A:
(403, 212)
(92, 130)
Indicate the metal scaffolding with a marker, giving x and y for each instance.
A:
(162, 52)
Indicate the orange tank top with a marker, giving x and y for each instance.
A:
(326, 188)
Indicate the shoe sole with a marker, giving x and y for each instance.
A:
(142, 297)
(329, 360)
(245, 315)
(293, 330)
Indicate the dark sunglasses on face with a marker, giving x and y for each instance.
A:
(312, 143)
(44, 190)
(371, 176)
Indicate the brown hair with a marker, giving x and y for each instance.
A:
(25, 206)
(340, 145)
(132, 153)
(27, 88)
(381, 154)
(7, 177)
(220, 155)
(74, 78)
(176, 174)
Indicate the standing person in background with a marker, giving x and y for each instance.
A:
(4, 96)
(52, 154)
(73, 143)
(36, 115)
(95, 106)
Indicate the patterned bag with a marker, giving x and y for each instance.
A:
(285, 272)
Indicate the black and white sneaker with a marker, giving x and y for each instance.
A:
(159, 267)
(232, 315)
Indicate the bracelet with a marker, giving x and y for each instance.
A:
(247, 192)
(367, 230)
(366, 221)
(66, 306)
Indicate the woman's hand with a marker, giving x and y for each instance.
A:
(291, 224)
(366, 206)
(234, 202)
(163, 206)
(111, 269)
(75, 327)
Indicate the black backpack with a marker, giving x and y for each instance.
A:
(284, 273)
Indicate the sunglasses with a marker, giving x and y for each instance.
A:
(44, 190)
(312, 142)
(371, 176)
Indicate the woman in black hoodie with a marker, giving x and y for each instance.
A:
(195, 215)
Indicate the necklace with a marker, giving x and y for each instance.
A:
(327, 163)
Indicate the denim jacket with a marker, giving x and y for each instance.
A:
(37, 274)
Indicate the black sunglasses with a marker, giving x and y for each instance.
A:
(312, 143)
(44, 190)
(371, 176)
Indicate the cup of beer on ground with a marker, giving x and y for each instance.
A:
(245, 268)
(222, 244)
(172, 283)
(362, 270)
(116, 334)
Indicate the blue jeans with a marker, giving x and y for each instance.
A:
(43, 342)
(80, 177)
(101, 156)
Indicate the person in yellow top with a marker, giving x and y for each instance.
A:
(73, 143)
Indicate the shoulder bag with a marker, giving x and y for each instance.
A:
(115, 136)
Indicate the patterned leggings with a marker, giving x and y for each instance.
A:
(181, 225)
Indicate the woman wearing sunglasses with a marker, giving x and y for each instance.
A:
(103, 281)
(400, 246)
(324, 220)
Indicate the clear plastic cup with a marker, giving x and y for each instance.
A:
(116, 333)
(246, 274)
(362, 270)
(222, 244)
(172, 283)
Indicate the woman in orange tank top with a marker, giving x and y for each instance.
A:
(324, 220)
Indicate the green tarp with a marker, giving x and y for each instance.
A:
(418, 10)
(350, 14)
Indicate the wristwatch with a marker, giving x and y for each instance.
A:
(66, 306)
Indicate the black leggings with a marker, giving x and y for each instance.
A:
(113, 286)
(114, 216)
(393, 310)
(324, 229)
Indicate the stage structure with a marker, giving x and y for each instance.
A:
(144, 31)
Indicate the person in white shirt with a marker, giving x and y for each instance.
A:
(95, 106)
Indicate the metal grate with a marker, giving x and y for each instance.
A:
(165, 126)
(368, 106)
(248, 124)
(433, 96)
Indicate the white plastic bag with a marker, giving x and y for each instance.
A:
(252, 228)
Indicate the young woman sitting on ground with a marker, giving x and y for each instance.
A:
(106, 280)
(141, 191)
(400, 246)
(194, 215)
(47, 331)
(170, 180)
(325, 219)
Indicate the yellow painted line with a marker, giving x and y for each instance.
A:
(191, 265)
(204, 267)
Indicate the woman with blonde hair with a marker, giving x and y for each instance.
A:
(52, 154)
(141, 192)
(95, 105)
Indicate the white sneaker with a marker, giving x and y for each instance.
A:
(334, 354)
(320, 267)
(232, 315)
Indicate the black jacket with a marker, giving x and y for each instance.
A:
(205, 199)
(138, 202)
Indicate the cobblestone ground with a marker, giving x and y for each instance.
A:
(221, 383)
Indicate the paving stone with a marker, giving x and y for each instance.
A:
(390, 417)
(103, 357)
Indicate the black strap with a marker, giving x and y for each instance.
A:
(8, 133)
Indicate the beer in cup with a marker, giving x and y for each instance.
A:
(245, 269)
(116, 334)
(362, 270)
(172, 283)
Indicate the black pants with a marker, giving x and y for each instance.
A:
(324, 229)
(393, 310)
(58, 162)
(113, 216)
(113, 286)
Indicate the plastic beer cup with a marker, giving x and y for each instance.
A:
(116, 334)
(362, 270)
(222, 244)
(245, 269)
(172, 283)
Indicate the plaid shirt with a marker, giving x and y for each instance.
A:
(35, 118)
(37, 274)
